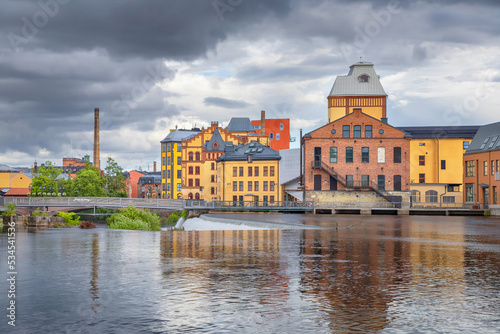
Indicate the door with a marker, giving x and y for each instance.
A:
(317, 182)
(241, 201)
(333, 183)
(397, 182)
(317, 156)
(365, 181)
(381, 182)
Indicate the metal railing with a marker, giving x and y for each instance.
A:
(95, 201)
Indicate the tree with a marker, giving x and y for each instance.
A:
(114, 179)
(44, 182)
(88, 183)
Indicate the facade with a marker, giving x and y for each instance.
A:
(171, 161)
(242, 127)
(436, 168)
(14, 183)
(277, 129)
(149, 185)
(290, 175)
(72, 166)
(482, 167)
(248, 173)
(360, 88)
(131, 181)
(356, 158)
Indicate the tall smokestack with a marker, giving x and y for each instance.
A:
(154, 166)
(96, 139)
(263, 122)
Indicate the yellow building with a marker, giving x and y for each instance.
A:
(361, 88)
(249, 173)
(436, 168)
(171, 161)
(14, 179)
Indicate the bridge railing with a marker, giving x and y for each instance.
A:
(95, 201)
(261, 204)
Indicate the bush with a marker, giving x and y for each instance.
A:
(70, 218)
(11, 209)
(130, 218)
(172, 219)
(184, 214)
(38, 213)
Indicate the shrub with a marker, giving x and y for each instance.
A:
(130, 218)
(184, 214)
(11, 209)
(172, 219)
(70, 218)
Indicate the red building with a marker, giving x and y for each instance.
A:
(359, 155)
(131, 181)
(278, 130)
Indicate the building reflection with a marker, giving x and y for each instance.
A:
(94, 284)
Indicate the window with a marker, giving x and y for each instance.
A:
(190, 170)
(163, 147)
(492, 167)
(256, 186)
(333, 154)
(168, 160)
(421, 178)
(241, 185)
(346, 131)
(271, 136)
(431, 196)
(179, 160)
(421, 160)
(250, 171)
(365, 155)
(365, 181)
(466, 145)
(168, 147)
(348, 154)
(197, 182)
(212, 191)
(415, 196)
(271, 171)
(381, 155)
(212, 178)
(271, 186)
(179, 186)
(241, 171)
(179, 174)
(357, 131)
(265, 186)
(235, 186)
(495, 194)
(363, 78)
(197, 170)
(197, 156)
(235, 171)
(196, 196)
(212, 166)
(271, 199)
(168, 173)
(281, 126)
(397, 155)
(381, 182)
(443, 164)
(469, 192)
(168, 186)
(190, 156)
(179, 148)
(266, 170)
(249, 185)
(277, 136)
(470, 168)
(448, 199)
(163, 161)
(256, 171)
(190, 182)
(349, 181)
(485, 168)
(368, 131)
(496, 169)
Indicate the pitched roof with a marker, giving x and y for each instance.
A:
(486, 139)
(180, 134)
(150, 177)
(426, 132)
(240, 124)
(216, 138)
(351, 84)
(257, 150)
(18, 192)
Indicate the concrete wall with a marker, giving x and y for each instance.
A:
(341, 196)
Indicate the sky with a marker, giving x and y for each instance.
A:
(152, 65)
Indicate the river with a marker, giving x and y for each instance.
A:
(363, 274)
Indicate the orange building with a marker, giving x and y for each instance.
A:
(277, 129)
(482, 167)
(131, 181)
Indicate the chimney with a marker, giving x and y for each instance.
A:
(96, 139)
(35, 167)
(154, 166)
(263, 122)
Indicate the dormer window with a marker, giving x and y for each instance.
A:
(215, 146)
(363, 78)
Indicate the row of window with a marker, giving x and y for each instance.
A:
(431, 196)
(253, 186)
(365, 182)
(170, 147)
(253, 171)
(470, 167)
(365, 155)
(470, 194)
(167, 188)
(179, 174)
(346, 131)
(265, 198)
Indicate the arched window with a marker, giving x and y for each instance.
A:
(215, 146)
(363, 78)
(190, 156)
(197, 156)
(190, 196)
(431, 196)
(197, 196)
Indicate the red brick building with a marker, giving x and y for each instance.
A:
(356, 153)
(277, 129)
(482, 167)
(131, 181)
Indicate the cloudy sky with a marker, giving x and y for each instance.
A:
(152, 65)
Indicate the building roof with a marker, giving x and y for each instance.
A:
(240, 124)
(152, 177)
(257, 150)
(289, 165)
(215, 139)
(18, 192)
(352, 85)
(178, 135)
(426, 132)
(486, 139)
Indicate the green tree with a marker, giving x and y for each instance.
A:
(114, 179)
(88, 183)
(44, 182)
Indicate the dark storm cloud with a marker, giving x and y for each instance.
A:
(224, 103)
